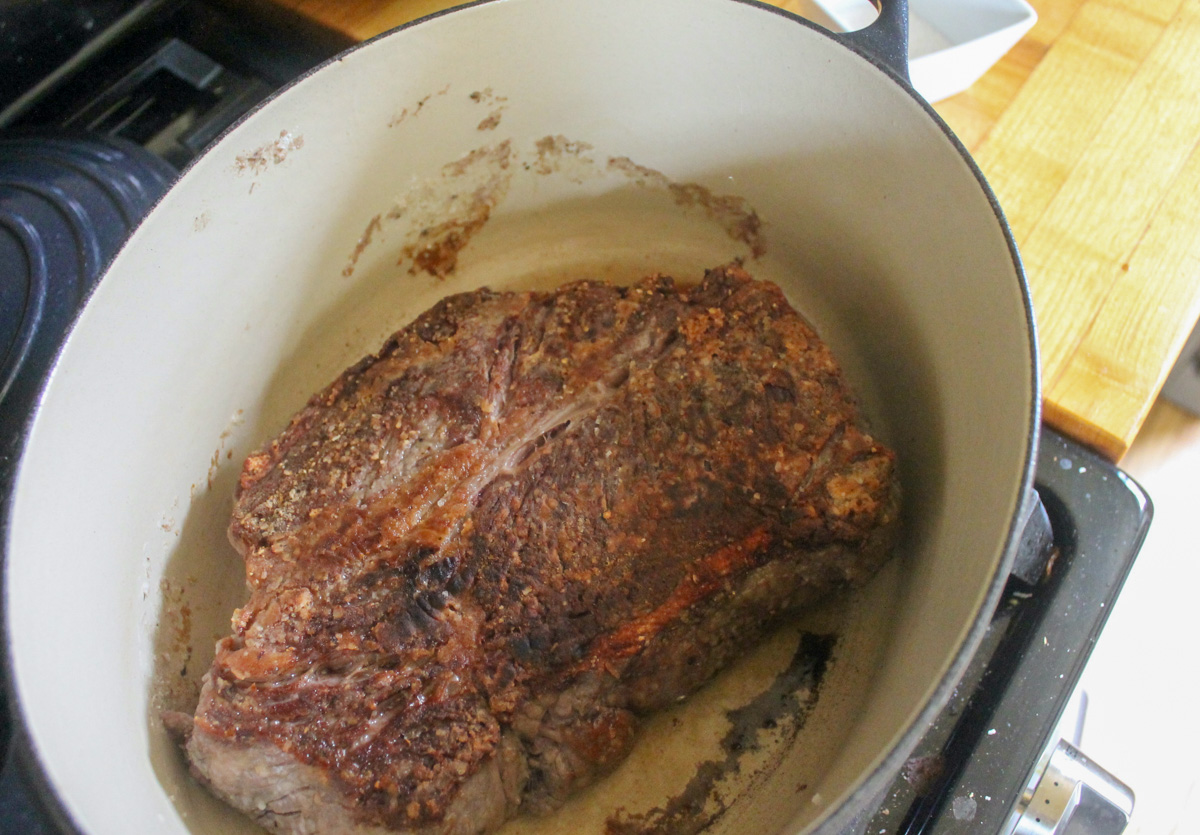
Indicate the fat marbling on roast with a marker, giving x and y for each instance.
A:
(480, 555)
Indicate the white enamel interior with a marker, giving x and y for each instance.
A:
(230, 305)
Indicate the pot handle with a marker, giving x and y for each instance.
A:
(1037, 541)
(886, 40)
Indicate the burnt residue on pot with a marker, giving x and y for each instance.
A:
(479, 181)
(778, 713)
(364, 241)
(560, 155)
(488, 97)
(190, 610)
(739, 219)
(271, 153)
(498, 156)
(437, 245)
(175, 685)
(405, 113)
(442, 214)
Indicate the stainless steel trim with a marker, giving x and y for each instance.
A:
(1068, 794)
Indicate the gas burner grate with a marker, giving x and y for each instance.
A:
(974, 764)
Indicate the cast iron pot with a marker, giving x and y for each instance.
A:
(521, 143)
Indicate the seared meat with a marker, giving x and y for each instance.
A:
(479, 555)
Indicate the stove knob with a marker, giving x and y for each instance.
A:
(1073, 796)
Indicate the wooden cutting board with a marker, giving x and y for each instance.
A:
(1088, 132)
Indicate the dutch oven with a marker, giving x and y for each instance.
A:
(520, 143)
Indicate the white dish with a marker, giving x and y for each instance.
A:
(1183, 383)
(951, 42)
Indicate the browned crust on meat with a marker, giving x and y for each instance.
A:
(525, 496)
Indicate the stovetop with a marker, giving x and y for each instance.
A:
(170, 76)
(976, 758)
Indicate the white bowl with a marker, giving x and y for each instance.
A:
(951, 42)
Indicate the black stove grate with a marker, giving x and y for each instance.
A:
(973, 764)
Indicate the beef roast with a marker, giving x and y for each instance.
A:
(481, 554)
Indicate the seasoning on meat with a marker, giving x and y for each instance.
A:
(479, 556)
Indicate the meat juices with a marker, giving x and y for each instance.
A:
(480, 555)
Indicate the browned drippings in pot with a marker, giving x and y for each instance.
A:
(782, 709)
(437, 245)
(444, 213)
(740, 221)
(437, 248)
